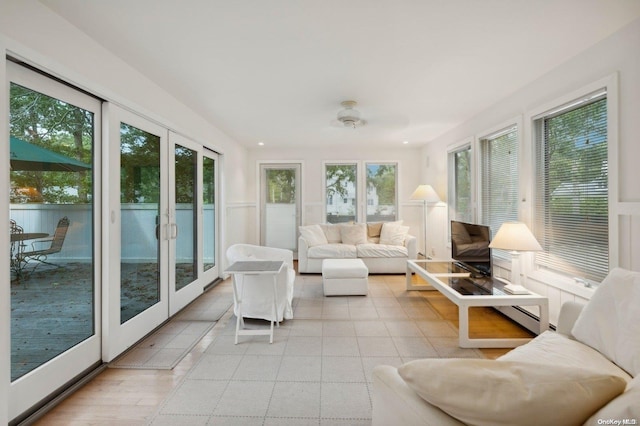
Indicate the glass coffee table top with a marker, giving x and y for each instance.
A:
(458, 278)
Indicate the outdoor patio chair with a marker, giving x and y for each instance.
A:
(55, 245)
(15, 231)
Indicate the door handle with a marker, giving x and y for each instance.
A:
(174, 233)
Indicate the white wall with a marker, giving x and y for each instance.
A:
(312, 160)
(31, 32)
(619, 54)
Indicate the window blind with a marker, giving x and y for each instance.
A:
(571, 198)
(499, 181)
(460, 205)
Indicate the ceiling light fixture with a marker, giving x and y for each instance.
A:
(261, 143)
(349, 116)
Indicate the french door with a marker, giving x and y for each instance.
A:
(192, 220)
(54, 192)
(280, 205)
(161, 226)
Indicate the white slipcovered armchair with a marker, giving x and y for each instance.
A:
(258, 297)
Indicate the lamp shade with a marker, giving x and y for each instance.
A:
(425, 193)
(515, 236)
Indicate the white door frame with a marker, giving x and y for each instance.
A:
(260, 165)
(36, 385)
(118, 337)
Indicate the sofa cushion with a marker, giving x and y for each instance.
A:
(393, 234)
(625, 406)
(381, 250)
(487, 392)
(332, 251)
(610, 322)
(373, 229)
(354, 234)
(313, 234)
(332, 232)
(551, 348)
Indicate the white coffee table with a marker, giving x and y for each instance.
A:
(254, 267)
(465, 292)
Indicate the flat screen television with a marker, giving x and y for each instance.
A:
(470, 247)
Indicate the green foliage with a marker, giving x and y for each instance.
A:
(281, 186)
(576, 152)
(57, 126)
(139, 166)
(209, 181)
(338, 177)
(462, 160)
(383, 178)
(185, 172)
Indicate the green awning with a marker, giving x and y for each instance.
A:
(26, 156)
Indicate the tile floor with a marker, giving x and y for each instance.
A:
(318, 369)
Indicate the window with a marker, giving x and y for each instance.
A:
(571, 188)
(340, 181)
(382, 188)
(460, 200)
(378, 201)
(499, 180)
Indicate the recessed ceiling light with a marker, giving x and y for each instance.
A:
(261, 143)
(405, 142)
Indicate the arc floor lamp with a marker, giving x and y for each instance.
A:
(426, 194)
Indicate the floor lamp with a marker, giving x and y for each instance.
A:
(426, 194)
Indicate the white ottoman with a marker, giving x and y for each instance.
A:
(345, 277)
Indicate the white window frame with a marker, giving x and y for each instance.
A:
(360, 202)
(467, 143)
(610, 83)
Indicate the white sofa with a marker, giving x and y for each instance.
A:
(383, 247)
(602, 337)
(257, 289)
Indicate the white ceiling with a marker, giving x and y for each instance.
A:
(277, 70)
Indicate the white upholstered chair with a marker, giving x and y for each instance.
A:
(257, 301)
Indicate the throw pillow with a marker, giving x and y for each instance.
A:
(459, 233)
(610, 322)
(373, 229)
(354, 234)
(489, 392)
(332, 232)
(393, 234)
(313, 234)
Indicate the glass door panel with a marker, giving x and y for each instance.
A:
(140, 187)
(280, 205)
(209, 213)
(55, 328)
(185, 229)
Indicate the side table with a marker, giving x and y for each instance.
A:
(254, 267)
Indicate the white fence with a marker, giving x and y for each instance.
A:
(138, 229)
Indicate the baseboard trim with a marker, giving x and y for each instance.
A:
(523, 317)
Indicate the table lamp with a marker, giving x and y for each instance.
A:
(515, 237)
(427, 194)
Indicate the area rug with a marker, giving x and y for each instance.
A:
(168, 345)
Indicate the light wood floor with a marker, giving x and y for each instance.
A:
(128, 396)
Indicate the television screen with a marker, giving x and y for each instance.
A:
(470, 247)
